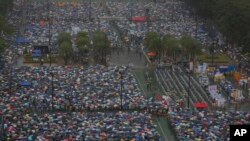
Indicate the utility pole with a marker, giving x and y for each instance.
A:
(121, 77)
(10, 79)
(147, 18)
(189, 79)
(2, 127)
(131, 12)
(48, 8)
(89, 10)
(52, 90)
(212, 53)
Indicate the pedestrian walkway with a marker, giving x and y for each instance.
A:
(121, 56)
(162, 123)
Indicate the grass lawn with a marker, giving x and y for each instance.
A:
(162, 123)
(218, 58)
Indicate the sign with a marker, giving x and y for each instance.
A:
(212, 89)
(223, 69)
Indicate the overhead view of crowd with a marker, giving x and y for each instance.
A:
(81, 126)
(78, 88)
(75, 89)
(48, 19)
(204, 125)
(109, 103)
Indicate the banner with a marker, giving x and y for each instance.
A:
(212, 89)
(223, 69)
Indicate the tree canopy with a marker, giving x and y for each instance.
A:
(65, 46)
(82, 42)
(232, 17)
(101, 46)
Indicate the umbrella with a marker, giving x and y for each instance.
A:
(200, 105)
(25, 83)
(151, 54)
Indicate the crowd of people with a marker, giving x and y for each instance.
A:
(44, 20)
(75, 87)
(81, 126)
(170, 17)
(79, 93)
(167, 17)
(30, 112)
(204, 125)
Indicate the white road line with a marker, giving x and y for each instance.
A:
(145, 95)
(161, 129)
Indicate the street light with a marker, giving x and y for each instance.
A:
(147, 17)
(121, 77)
(48, 8)
(189, 84)
(212, 53)
(52, 90)
(10, 79)
(2, 127)
(89, 9)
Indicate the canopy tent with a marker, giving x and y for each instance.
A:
(138, 19)
(25, 84)
(21, 40)
(151, 54)
(200, 105)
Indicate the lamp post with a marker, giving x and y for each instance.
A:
(147, 17)
(89, 9)
(121, 83)
(212, 53)
(48, 8)
(189, 79)
(2, 127)
(10, 81)
(52, 90)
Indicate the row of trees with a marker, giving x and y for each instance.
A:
(231, 16)
(5, 5)
(169, 45)
(101, 46)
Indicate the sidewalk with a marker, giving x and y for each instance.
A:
(163, 126)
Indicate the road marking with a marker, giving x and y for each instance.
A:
(139, 83)
(145, 95)
(161, 129)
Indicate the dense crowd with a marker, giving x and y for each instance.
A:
(67, 17)
(90, 88)
(81, 126)
(204, 125)
(27, 91)
(170, 17)
(82, 89)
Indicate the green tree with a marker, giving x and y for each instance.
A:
(148, 40)
(190, 46)
(2, 46)
(101, 46)
(5, 5)
(64, 36)
(65, 46)
(82, 42)
(172, 46)
(65, 51)
(232, 17)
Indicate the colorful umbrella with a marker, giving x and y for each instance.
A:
(200, 105)
(151, 54)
